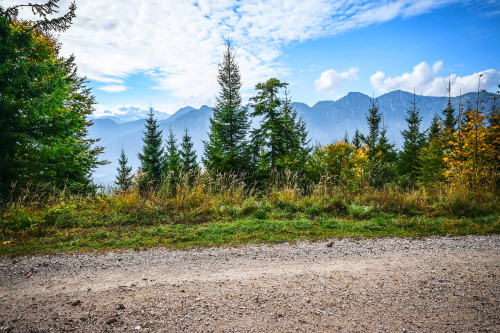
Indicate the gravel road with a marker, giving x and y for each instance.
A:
(384, 285)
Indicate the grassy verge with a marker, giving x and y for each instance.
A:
(237, 232)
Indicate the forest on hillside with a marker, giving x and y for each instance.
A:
(444, 179)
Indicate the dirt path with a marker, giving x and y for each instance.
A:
(386, 285)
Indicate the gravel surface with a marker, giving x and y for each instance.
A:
(384, 285)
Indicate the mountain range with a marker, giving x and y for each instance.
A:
(326, 121)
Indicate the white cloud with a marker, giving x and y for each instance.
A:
(113, 88)
(181, 42)
(330, 80)
(425, 80)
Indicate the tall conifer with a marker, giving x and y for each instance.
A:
(151, 157)
(124, 177)
(271, 131)
(414, 140)
(373, 118)
(187, 153)
(227, 147)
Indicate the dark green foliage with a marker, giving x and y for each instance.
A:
(172, 160)
(270, 136)
(373, 118)
(151, 158)
(227, 149)
(297, 146)
(124, 176)
(187, 154)
(450, 121)
(414, 140)
(435, 128)
(43, 107)
(357, 139)
(383, 167)
(280, 143)
(346, 137)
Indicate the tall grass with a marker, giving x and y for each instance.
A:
(194, 198)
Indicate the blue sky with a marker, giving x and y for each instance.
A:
(165, 52)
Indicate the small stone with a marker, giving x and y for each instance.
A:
(76, 303)
(111, 321)
(120, 307)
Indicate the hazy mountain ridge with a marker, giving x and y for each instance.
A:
(326, 121)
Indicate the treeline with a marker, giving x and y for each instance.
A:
(279, 144)
(461, 147)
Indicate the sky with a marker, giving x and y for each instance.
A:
(166, 52)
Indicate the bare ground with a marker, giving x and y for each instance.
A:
(385, 285)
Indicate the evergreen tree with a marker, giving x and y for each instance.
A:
(270, 135)
(124, 177)
(171, 165)
(187, 153)
(172, 158)
(44, 105)
(435, 128)
(357, 139)
(297, 146)
(382, 167)
(373, 118)
(414, 140)
(227, 147)
(151, 157)
(385, 149)
(346, 137)
(450, 122)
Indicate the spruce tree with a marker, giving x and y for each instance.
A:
(151, 157)
(270, 134)
(227, 148)
(172, 159)
(357, 139)
(387, 150)
(435, 128)
(297, 146)
(187, 153)
(450, 121)
(373, 118)
(346, 137)
(124, 177)
(414, 140)
(44, 105)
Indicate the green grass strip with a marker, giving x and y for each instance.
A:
(236, 233)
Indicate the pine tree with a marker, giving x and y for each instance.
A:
(227, 148)
(44, 105)
(435, 128)
(151, 157)
(272, 126)
(346, 137)
(187, 153)
(450, 121)
(297, 146)
(373, 118)
(172, 158)
(385, 149)
(414, 140)
(124, 177)
(357, 139)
